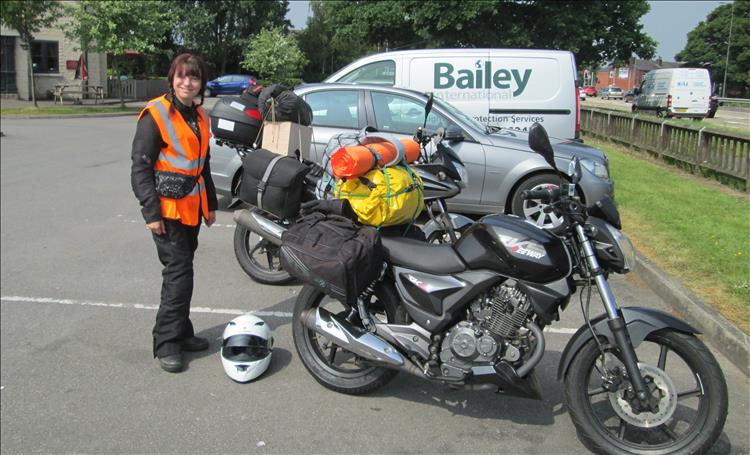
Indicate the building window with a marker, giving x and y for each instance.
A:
(44, 56)
(8, 64)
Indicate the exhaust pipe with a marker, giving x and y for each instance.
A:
(259, 224)
(353, 339)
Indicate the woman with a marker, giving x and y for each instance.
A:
(171, 179)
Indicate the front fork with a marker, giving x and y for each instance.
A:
(614, 318)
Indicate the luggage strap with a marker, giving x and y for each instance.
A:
(264, 182)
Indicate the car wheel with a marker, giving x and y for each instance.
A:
(634, 108)
(532, 209)
(207, 93)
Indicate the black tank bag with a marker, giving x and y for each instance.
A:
(334, 254)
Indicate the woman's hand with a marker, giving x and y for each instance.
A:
(157, 227)
(211, 218)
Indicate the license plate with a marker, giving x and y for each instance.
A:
(681, 109)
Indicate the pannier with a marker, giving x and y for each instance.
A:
(272, 182)
(332, 253)
(236, 120)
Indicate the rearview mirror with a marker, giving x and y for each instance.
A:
(453, 133)
(574, 170)
(427, 109)
(539, 142)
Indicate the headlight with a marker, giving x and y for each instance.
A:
(595, 167)
(626, 247)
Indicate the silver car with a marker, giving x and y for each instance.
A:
(499, 162)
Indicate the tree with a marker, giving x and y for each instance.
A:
(117, 26)
(708, 42)
(596, 31)
(275, 57)
(220, 30)
(27, 17)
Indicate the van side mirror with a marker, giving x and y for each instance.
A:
(539, 142)
(453, 133)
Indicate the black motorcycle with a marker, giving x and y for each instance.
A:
(470, 314)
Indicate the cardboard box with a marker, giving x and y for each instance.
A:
(285, 138)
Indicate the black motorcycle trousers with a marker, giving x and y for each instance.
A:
(176, 249)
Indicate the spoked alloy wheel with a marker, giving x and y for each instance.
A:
(259, 258)
(330, 365)
(533, 209)
(687, 385)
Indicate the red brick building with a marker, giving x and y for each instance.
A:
(631, 76)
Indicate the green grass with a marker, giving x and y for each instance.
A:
(689, 123)
(64, 110)
(693, 228)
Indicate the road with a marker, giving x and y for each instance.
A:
(724, 115)
(79, 287)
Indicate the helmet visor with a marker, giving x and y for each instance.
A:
(246, 348)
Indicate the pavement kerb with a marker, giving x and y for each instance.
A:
(724, 335)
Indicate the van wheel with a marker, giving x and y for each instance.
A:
(532, 209)
(634, 108)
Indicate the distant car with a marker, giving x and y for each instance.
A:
(229, 84)
(713, 106)
(581, 94)
(611, 93)
(499, 163)
(629, 96)
(589, 91)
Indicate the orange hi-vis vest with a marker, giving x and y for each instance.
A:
(182, 154)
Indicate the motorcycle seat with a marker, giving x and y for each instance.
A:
(421, 256)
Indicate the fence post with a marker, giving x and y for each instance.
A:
(632, 129)
(663, 142)
(702, 157)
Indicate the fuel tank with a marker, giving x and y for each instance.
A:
(515, 248)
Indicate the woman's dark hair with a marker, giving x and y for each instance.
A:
(188, 65)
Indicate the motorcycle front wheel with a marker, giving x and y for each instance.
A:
(330, 365)
(683, 376)
(259, 258)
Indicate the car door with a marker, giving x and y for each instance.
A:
(334, 112)
(402, 115)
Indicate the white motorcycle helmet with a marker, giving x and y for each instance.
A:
(246, 348)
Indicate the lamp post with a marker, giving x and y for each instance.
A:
(726, 62)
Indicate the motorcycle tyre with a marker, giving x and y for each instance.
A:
(255, 271)
(358, 384)
(693, 352)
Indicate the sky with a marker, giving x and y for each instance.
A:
(668, 22)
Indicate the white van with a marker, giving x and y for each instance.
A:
(510, 88)
(675, 92)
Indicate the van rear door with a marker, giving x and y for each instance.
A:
(691, 91)
(533, 86)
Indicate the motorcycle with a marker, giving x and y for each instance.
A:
(257, 235)
(471, 313)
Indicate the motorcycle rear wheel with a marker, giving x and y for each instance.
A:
(333, 367)
(692, 390)
(259, 258)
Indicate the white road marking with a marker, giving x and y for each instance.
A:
(139, 306)
(229, 311)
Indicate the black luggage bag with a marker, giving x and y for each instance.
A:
(333, 254)
(272, 182)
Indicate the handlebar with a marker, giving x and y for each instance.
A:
(546, 195)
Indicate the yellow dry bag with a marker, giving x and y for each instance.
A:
(384, 197)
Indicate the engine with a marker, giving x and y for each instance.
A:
(489, 333)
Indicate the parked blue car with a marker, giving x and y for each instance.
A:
(229, 84)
